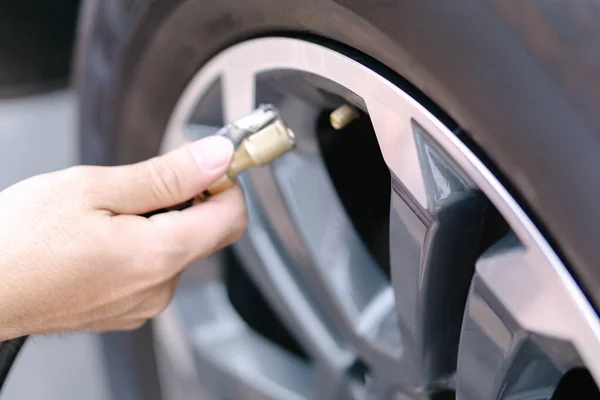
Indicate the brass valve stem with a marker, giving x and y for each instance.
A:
(342, 116)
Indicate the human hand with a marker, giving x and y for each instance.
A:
(75, 255)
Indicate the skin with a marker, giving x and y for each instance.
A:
(76, 255)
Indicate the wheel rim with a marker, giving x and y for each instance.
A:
(525, 322)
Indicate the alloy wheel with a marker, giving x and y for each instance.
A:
(393, 261)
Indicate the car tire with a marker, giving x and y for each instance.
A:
(136, 58)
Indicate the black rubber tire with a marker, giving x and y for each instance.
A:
(520, 80)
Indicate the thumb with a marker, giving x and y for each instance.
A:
(169, 179)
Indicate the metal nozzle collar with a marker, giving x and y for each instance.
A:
(258, 149)
(249, 124)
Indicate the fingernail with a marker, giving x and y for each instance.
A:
(212, 153)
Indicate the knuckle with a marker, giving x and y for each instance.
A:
(169, 244)
(169, 254)
(83, 177)
(161, 263)
(157, 267)
(165, 181)
(166, 241)
(148, 267)
(78, 172)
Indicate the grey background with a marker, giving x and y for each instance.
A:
(37, 134)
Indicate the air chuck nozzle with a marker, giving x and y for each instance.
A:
(261, 148)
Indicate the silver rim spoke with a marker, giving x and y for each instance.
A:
(500, 357)
(432, 252)
(272, 274)
(359, 326)
(238, 93)
(399, 149)
(231, 358)
(340, 262)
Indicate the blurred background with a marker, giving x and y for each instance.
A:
(37, 135)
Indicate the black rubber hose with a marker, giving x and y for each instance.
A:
(9, 350)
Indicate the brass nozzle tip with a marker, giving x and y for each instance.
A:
(270, 143)
(342, 116)
(259, 149)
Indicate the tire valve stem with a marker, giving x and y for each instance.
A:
(342, 116)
